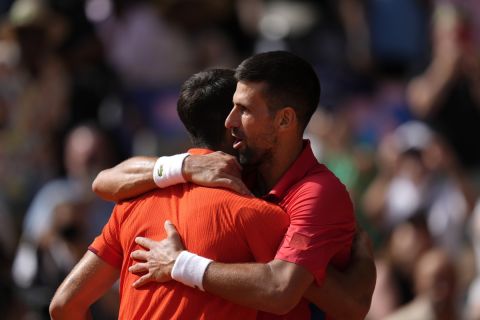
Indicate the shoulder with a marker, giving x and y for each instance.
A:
(321, 196)
(259, 214)
(157, 194)
(320, 181)
(149, 199)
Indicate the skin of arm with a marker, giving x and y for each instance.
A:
(357, 283)
(133, 176)
(86, 283)
(426, 91)
(275, 287)
(128, 179)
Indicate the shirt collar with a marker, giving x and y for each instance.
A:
(199, 151)
(304, 162)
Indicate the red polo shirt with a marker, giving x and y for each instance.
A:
(322, 221)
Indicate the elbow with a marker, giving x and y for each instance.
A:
(64, 305)
(59, 308)
(99, 188)
(282, 301)
(97, 184)
(281, 307)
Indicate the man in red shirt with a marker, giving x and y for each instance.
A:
(246, 229)
(276, 95)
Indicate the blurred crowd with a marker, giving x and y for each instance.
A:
(86, 83)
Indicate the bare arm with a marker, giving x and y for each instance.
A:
(275, 287)
(128, 179)
(348, 294)
(426, 91)
(133, 176)
(85, 284)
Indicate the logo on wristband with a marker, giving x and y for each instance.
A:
(160, 171)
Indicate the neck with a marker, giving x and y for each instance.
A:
(283, 157)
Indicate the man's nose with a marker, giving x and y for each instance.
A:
(232, 119)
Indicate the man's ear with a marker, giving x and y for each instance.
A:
(286, 118)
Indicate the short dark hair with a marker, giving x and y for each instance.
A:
(290, 80)
(204, 104)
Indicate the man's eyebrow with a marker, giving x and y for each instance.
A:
(239, 104)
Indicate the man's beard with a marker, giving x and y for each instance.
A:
(252, 159)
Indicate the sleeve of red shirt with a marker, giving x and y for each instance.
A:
(107, 245)
(264, 228)
(321, 230)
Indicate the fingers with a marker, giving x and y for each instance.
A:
(143, 280)
(230, 161)
(144, 242)
(241, 187)
(235, 163)
(138, 268)
(173, 237)
(139, 255)
(170, 229)
(234, 184)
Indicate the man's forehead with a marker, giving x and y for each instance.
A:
(248, 90)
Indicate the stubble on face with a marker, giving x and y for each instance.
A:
(252, 125)
(260, 150)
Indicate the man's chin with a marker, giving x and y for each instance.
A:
(247, 160)
(243, 159)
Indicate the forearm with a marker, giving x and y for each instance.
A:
(338, 301)
(85, 284)
(128, 179)
(427, 90)
(348, 294)
(71, 314)
(265, 287)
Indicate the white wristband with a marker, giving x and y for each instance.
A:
(168, 170)
(189, 269)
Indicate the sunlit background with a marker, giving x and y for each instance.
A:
(86, 84)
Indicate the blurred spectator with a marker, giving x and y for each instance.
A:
(446, 94)
(332, 144)
(59, 249)
(33, 95)
(435, 284)
(395, 267)
(144, 48)
(87, 151)
(386, 297)
(420, 175)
